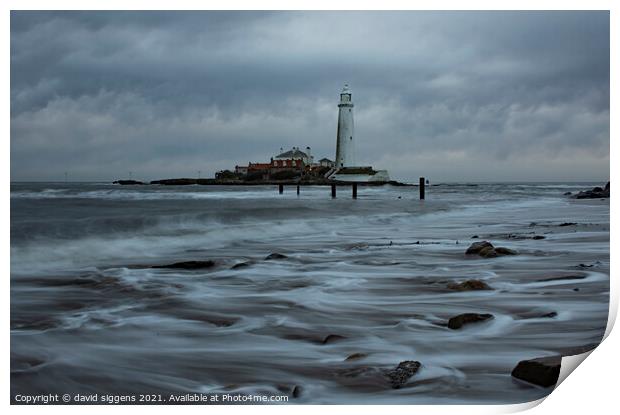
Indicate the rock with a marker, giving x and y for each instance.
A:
(568, 193)
(275, 255)
(567, 224)
(175, 182)
(402, 373)
(536, 237)
(475, 237)
(126, 182)
(543, 371)
(376, 379)
(356, 356)
(536, 314)
(476, 247)
(459, 321)
(469, 285)
(500, 250)
(332, 338)
(563, 277)
(488, 252)
(240, 265)
(595, 193)
(297, 391)
(188, 265)
(486, 249)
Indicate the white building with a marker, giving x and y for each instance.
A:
(295, 154)
(345, 144)
(345, 168)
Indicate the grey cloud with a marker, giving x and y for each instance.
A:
(438, 94)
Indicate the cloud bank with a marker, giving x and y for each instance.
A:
(453, 96)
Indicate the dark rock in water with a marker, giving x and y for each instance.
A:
(568, 193)
(488, 252)
(356, 356)
(563, 277)
(332, 338)
(595, 193)
(536, 314)
(188, 265)
(462, 319)
(500, 250)
(567, 224)
(275, 255)
(126, 182)
(402, 373)
(476, 247)
(240, 265)
(536, 237)
(543, 371)
(376, 379)
(486, 249)
(475, 237)
(297, 391)
(175, 182)
(575, 289)
(469, 285)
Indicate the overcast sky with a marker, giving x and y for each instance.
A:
(458, 96)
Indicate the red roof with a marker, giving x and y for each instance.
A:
(259, 166)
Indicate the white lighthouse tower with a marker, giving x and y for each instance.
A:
(345, 167)
(345, 144)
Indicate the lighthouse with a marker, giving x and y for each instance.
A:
(345, 167)
(345, 143)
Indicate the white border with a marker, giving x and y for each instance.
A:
(591, 389)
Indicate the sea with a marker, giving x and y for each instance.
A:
(360, 285)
